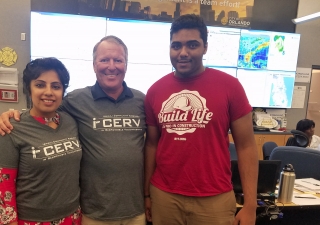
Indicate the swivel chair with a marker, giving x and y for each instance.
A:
(305, 161)
(267, 148)
(299, 139)
(233, 152)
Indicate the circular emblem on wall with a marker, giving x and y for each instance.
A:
(8, 56)
(224, 20)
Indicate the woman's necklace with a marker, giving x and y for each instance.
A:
(46, 121)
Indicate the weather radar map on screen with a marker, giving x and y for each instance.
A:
(263, 61)
(253, 51)
(266, 67)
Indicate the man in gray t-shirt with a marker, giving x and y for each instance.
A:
(111, 122)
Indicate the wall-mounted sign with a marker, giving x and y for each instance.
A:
(8, 95)
(8, 84)
(230, 13)
(298, 98)
(303, 75)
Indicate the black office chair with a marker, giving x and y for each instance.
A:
(233, 152)
(267, 148)
(299, 139)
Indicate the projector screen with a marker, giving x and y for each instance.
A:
(263, 61)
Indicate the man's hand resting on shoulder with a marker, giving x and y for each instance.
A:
(5, 125)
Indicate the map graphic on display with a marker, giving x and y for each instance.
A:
(279, 44)
(283, 52)
(223, 45)
(253, 52)
(281, 91)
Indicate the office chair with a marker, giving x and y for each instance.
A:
(267, 148)
(299, 139)
(233, 152)
(305, 161)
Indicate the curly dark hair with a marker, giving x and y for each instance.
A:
(190, 21)
(305, 124)
(38, 66)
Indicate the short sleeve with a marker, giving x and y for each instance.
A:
(9, 153)
(150, 116)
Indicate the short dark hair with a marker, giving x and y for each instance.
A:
(36, 67)
(114, 39)
(190, 21)
(305, 124)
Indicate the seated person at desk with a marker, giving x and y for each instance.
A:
(307, 126)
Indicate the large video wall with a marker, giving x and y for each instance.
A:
(264, 62)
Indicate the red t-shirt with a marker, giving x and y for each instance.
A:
(194, 117)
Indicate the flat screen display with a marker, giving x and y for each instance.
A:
(266, 67)
(268, 88)
(268, 50)
(65, 36)
(229, 70)
(223, 46)
(268, 175)
(148, 46)
(71, 39)
(147, 42)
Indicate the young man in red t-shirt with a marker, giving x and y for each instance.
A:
(187, 162)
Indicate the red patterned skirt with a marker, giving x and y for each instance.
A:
(73, 219)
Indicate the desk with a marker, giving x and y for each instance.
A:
(292, 215)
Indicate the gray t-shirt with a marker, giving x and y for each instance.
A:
(48, 162)
(112, 136)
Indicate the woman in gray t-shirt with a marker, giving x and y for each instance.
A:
(40, 158)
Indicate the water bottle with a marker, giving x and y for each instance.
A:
(287, 178)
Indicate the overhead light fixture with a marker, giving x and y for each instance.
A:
(306, 18)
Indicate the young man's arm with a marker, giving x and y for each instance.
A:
(152, 140)
(242, 133)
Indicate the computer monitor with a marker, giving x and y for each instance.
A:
(269, 171)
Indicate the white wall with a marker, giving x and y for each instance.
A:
(309, 52)
(310, 34)
(14, 20)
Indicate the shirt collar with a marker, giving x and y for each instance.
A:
(98, 93)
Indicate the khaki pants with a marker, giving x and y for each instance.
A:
(173, 209)
(138, 220)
